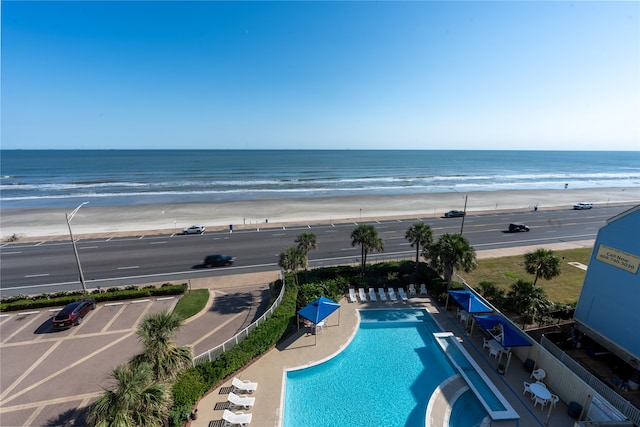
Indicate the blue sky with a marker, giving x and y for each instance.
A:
(353, 75)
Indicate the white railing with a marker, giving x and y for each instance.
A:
(211, 355)
(619, 402)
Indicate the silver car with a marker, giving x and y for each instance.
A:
(582, 205)
(194, 229)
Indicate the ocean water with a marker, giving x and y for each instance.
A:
(64, 178)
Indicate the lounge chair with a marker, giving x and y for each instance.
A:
(392, 295)
(372, 294)
(236, 401)
(403, 295)
(383, 296)
(352, 295)
(235, 418)
(412, 290)
(423, 289)
(362, 294)
(244, 386)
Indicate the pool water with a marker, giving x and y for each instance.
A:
(384, 377)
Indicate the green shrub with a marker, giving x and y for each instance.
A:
(188, 388)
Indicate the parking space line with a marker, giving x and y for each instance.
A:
(86, 397)
(213, 331)
(113, 318)
(57, 373)
(20, 329)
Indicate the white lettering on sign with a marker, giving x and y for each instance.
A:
(618, 259)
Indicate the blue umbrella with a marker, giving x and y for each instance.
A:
(470, 302)
(318, 310)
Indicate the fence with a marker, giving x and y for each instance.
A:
(211, 355)
(620, 403)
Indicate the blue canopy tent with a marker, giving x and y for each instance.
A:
(510, 336)
(319, 310)
(470, 301)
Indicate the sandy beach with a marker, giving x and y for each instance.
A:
(163, 218)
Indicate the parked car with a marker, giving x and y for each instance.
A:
(218, 260)
(518, 227)
(582, 205)
(454, 214)
(194, 229)
(73, 313)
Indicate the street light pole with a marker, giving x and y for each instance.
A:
(464, 213)
(69, 217)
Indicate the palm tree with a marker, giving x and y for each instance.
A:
(419, 234)
(166, 360)
(452, 251)
(543, 263)
(367, 237)
(136, 400)
(306, 241)
(527, 299)
(292, 259)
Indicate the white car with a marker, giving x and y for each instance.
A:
(194, 229)
(582, 205)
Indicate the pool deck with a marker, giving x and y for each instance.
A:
(302, 349)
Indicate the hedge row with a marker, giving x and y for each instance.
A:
(194, 383)
(112, 294)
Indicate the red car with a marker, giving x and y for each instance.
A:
(73, 313)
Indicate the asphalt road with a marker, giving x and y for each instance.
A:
(32, 268)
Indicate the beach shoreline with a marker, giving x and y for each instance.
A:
(169, 218)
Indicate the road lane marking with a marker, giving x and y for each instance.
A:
(11, 253)
(157, 243)
(128, 268)
(37, 275)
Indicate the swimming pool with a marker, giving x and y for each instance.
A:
(384, 377)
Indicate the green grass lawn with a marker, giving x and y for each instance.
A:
(503, 272)
(192, 302)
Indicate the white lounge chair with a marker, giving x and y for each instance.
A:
(362, 294)
(372, 294)
(423, 289)
(412, 290)
(236, 401)
(392, 295)
(403, 295)
(235, 418)
(244, 386)
(352, 295)
(383, 296)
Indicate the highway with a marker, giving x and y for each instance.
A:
(32, 268)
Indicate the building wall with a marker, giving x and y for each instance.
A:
(609, 303)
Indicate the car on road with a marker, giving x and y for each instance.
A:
(218, 260)
(73, 313)
(582, 205)
(513, 228)
(194, 229)
(454, 214)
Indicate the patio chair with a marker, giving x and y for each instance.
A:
(423, 289)
(538, 374)
(372, 294)
(235, 418)
(403, 295)
(554, 399)
(244, 386)
(236, 401)
(494, 352)
(383, 296)
(541, 401)
(392, 295)
(485, 342)
(363, 296)
(527, 389)
(352, 295)
(412, 290)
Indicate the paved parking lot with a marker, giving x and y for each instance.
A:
(49, 377)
